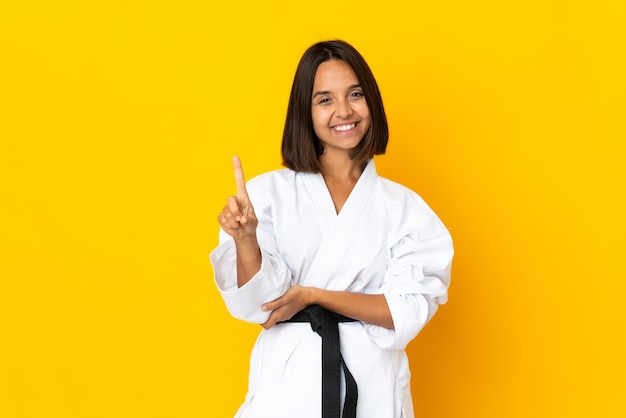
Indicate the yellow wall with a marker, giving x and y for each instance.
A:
(117, 123)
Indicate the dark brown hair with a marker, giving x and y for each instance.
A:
(301, 147)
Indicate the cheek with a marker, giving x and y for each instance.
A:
(364, 111)
(319, 118)
(365, 115)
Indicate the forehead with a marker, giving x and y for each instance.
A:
(333, 75)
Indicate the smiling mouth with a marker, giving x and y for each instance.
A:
(344, 128)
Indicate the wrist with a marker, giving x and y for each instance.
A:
(246, 242)
(313, 296)
(248, 249)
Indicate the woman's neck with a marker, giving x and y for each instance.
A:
(341, 167)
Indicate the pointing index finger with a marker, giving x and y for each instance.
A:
(239, 178)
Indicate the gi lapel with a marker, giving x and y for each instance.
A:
(327, 271)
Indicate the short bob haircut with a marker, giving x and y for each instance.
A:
(301, 148)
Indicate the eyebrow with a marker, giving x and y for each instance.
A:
(324, 92)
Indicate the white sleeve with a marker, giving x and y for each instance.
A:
(415, 283)
(268, 284)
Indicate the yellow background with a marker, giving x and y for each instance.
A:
(117, 123)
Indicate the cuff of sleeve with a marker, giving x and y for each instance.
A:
(268, 284)
(410, 313)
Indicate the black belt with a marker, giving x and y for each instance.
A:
(325, 323)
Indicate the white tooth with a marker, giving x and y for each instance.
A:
(345, 127)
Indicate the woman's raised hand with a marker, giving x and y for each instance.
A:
(237, 218)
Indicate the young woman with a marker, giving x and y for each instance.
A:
(341, 267)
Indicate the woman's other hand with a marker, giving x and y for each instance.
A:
(286, 306)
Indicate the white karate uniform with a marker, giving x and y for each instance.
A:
(385, 240)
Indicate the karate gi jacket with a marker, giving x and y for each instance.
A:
(385, 240)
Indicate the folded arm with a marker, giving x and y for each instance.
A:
(372, 309)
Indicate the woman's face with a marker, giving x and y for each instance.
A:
(339, 110)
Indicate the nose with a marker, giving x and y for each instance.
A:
(343, 108)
